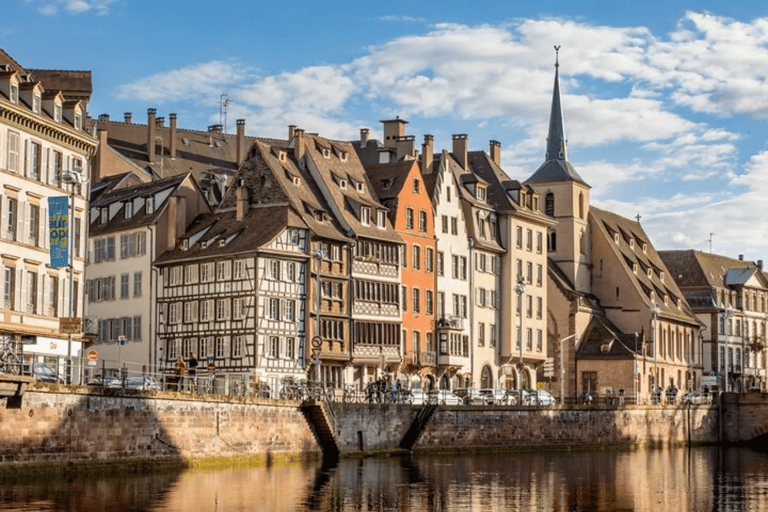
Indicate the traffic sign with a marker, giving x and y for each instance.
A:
(93, 355)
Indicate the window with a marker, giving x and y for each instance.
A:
(549, 204)
(381, 219)
(441, 304)
(11, 218)
(365, 216)
(239, 269)
(290, 268)
(480, 225)
(238, 345)
(454, 225)
(190, 274)
(206, 312)
(416, 260)
(205, 347)
(174, 276)
(104, 249)
(32, 292)
(274, 346)
(444, 221)
(274, 309)
(174, 313)
(416, 298)
(539, 275)
(34, 223)
(221, 347)
(416, 186)
(9, 289)
(35, 155)
(77, 237)
(539, 307)
(429, 256)
(529, 273)
(190, 313)
(275, 269)
(53, 296)
(222, 309)
(150, 204)
(464, 306)
(481, 334)
(464, 268)
(428, 302)
(13, 151)
(124, 285)
(409, 218)
(529, 240)
(57, 112)
(422, 221)
(206, 272)
(56, 167)
(290, 348)
(127, 248)
(223, 270)
(539, 242)
(137, 284)
(481, 195)
(404, 301)
(448, 194)
(456, 305)
(440, 263)
(141, 244)
(454, 266)
(78, 121)
(238, 308)
(493, 335)
(14, 96)
(290, 310)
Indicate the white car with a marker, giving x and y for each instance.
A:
(444, 397)
(539, 398)
(419, 397)
(499, 396)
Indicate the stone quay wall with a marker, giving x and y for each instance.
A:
(71, 427)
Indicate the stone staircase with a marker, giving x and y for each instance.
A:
(319, 414)
(418, 426)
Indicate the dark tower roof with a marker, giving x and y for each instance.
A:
(556, 166)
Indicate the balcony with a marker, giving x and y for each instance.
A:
(451, 322)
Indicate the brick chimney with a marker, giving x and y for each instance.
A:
(241, 194)
(240, 140)
(127, 117)
(393, 130)
(427, 153)
(298, 144)
(460, 149)
(495, 152)
(172, 135)
(101, 159)
(160, 122)
(405, 146)
(364, 134)
(151, 112)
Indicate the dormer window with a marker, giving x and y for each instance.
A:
(104, 215)
(343, 156)
(57, 112)
(666, 299)
(360, 187)
(650, 273)
(36, 103)
(653, 296)
(128, 210)
(78, 121)
(616, 238)
(365, 216)
(661, 276)
(631, 243)
(296, 180)
(326, 153)
(645, 248)
(14, 93)
(480, 193)
(184, 244)
(523, 198)
(281, 156)
(381, 220)
(535, 203)
(343, 184)
(634, 268)
(150, 202)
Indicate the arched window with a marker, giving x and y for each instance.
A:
(549, 204)
(581, 205)
(486, 380)
(552, 241)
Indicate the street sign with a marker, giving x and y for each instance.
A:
(70, 325)
(121, 340)
(710, 380)
(549, 367)
(93, 355)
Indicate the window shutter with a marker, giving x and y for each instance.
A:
(3, 222)
(498, 265)
(22, 229)
(21, 293)
(42, 308)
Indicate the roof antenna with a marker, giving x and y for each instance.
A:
(223, 102)
(710, 242)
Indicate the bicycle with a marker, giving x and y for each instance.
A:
(9, 360)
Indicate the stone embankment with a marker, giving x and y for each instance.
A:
(84, 427)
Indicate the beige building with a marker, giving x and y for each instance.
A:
(41, 141)
(616, 318)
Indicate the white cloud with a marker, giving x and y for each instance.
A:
(401, 19)
(53, 7)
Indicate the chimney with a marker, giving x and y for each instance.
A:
(460, 149)
(240, 140)
(172, 220)
(760, 264)
(405, 147)
(160, 122)
(741, 257)
(215, 128)
(242, 199)
(298, 145)
(427, 154)
(101, 158)
(393, 130)
(104, 117)
(151, 112)
(496, 152)
(364, 133)
(291, 129)
(127, 117)
(172, 136)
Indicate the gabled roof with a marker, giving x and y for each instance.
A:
(603, 340)
(388, 179)
(610, 225)
(699, 269)
(245, 236)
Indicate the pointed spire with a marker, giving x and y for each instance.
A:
(556, 137)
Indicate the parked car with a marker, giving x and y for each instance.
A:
(694, 397)
(471, 396)
(499, 396)
(444, 397)
(419, 397)
(539, 397)
(144, 382)
(44, 373)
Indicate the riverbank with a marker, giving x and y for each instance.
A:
(67, 429)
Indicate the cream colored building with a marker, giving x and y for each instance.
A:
(41, 137)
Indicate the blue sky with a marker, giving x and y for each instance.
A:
(665, 103)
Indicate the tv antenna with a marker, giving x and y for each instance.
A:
(710, 242)
(223, 102)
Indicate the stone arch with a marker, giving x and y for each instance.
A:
(486, 377)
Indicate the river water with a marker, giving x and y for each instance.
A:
(699, 479)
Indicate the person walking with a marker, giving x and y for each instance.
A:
(179, 372)
(211, 375)
(192, 373)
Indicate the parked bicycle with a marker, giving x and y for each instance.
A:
(10, 363)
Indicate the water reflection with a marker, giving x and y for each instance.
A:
(700, 479)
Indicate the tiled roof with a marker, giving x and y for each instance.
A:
(247, 235)
(388, 179)
(70, 82)
(602, 339)
(692, 268)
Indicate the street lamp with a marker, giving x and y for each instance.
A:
(562, 366)
(73, 178)
(654, 326)
(317, 341)
(727, 314)
(520, 290)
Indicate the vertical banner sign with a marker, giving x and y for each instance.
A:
(58, 222)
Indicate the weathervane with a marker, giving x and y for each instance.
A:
(557, 52)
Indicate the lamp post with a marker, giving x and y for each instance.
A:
(73, 178)
(727, 314)
(562, 367)
(520, 290)
(317, 341)
(654, 324)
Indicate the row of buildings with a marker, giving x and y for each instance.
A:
(305, 257)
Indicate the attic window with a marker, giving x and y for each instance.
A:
(650, 273)
(128, 210)
(661, 275)
(634, 268)
(653, 296)
(57, 112)
(104, 215)
(343, 156)
(416, 186)
(381, 220)
(150, 204)
(14, 93)
(645, 248)
(296, 180)
(343, 184)
(78, 122)
(481, 195)
(631, 243)
(365, 216)
(359, 186)
(281, 156)
(184, 244)
(616, 238)
(326, 153)
(217, 144)
(387, 183)
(36, 103)
(679, 304)
(185, 141)
(666, 299)
(536, 202)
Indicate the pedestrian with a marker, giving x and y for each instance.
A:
(192, 373)
(211, 374)
(621, 395)
(179, 372)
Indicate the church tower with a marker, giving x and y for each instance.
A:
(565, 198)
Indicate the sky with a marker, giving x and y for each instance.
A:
(665, 102)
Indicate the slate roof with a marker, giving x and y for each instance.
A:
(69, 82)
(247, 235)
(609, 225)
